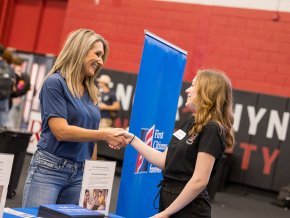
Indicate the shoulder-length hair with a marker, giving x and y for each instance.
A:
(214, 102)
(70, 60)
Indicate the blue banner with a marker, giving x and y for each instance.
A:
(152, 119)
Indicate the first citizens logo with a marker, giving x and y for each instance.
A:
(152, 137)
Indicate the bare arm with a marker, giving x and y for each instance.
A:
(152, 155)
(65, 132)
(195, 185)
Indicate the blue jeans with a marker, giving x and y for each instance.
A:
(4, 111)
(52, 180)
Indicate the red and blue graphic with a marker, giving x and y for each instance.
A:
(147, 137)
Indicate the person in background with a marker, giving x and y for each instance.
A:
(7, 80)
(8, 56)
(22, 84)
(20, 88)
(70, 119)
(194, 150)
(109, 105)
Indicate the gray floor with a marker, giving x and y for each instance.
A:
(236, 201)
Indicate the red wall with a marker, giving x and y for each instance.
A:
(247, 44)
(33, 25)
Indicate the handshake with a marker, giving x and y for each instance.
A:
(117, 138)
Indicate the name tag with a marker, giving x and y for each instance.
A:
(180, 134)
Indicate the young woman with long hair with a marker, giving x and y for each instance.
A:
(195, 149)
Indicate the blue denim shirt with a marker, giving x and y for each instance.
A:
(56, 100)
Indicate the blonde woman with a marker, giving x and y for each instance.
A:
(194, 150)
(70, 119)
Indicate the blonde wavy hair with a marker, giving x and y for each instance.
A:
(214, 102)
(70, 61)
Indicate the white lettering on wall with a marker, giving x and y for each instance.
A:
(237, 116)
(124, 96)
(276, 123)
(254, 118)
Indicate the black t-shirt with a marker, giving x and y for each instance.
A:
(108, 98)
(182, 154)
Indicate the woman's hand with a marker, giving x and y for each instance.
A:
(162, 214)
(115, 141)
(152, 155)
(129, 136)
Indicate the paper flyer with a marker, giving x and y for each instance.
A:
(13, 212)
(6, 161)
(97, 185)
